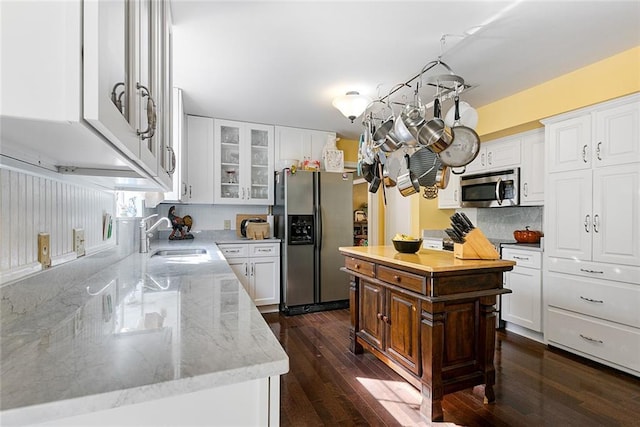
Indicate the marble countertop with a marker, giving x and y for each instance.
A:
(428, 260)
(113, 330)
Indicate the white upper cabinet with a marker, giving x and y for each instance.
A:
(243, 166)
(299, 144)
(498, 154)
(71, 68)
(601, 136)
(591, 213)
(199, 153)
(532, 169)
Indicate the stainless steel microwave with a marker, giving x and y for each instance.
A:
(491, 189)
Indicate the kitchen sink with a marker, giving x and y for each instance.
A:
(180, 252)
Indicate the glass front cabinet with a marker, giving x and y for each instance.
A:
(243, 162)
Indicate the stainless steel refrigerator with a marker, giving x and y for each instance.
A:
(313, 215)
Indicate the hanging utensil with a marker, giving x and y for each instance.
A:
(464, 147)
(424, 165)
(407, 182)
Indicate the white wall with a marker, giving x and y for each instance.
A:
(211, 217)
(32, 204)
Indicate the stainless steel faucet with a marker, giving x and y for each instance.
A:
(145, 233)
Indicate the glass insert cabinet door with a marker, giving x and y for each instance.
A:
(245, 153)
(259, 164)
(230, 162)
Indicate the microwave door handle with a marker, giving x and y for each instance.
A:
(498, 185)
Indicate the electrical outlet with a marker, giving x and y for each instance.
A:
(227, 224)
(44, 254)
(78, 241)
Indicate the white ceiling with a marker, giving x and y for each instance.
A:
(283, 62)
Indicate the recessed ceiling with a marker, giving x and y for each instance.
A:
(283, 62)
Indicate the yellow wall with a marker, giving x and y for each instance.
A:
(350, 148)
(610, 78)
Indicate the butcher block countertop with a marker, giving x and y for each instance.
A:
(425, 260)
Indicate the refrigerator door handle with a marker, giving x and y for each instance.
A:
(319, 226)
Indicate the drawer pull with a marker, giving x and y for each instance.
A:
(397, 278)
(591, 339)
(521, 257)
(591, 271)
(591, 300)
(356, 266)
(268, 250)
(232, 251)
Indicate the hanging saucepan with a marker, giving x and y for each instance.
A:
(413, 115)
(465, 144)
(424, 165)
(407, 182)
(402, 131)
(392, 169)
(434, 134)
(442, 177)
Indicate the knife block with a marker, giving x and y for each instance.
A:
(476, 246)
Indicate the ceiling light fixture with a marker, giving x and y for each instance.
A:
(352, 104)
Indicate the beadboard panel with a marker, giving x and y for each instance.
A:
(31, 204)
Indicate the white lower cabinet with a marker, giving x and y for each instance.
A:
(592, 309)
(257, 266)
(524, 305)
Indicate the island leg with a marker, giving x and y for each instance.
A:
(432, 336)
(354, 308)
(487, 345)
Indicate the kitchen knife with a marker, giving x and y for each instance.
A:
(458, 229)
(454, 235)
(458, 223)
(467, 220)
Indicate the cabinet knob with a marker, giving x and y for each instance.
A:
(356, 266)
(397, 278)
(379, 316)
(386, 320)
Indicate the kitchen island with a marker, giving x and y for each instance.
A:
(168, 337)
(428, 316)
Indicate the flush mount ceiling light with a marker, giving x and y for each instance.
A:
(352, 104)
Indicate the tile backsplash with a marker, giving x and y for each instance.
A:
(500, 223)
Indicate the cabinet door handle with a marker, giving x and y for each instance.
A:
(584, 337)
(597, 301)
(490, 157)
(525, 187)
(189, 191)
(587, 223)
(455, 195)
(596, 222)
(246, 269)
(598, 150)
(116, 98)
(253, 269)
(584, 153)
(591, 271)
(172, 153)
(151, 114)
(482, 156)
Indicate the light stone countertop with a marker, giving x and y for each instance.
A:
(112, 330)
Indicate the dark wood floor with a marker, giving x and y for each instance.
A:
(535, 385)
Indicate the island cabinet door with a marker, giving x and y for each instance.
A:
(371, 313)
(403, 329)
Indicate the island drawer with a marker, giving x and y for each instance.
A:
(363, 267)
(403, 279)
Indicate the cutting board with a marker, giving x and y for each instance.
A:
(240, 217)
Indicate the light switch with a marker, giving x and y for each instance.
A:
(44, 254)
(78, 241)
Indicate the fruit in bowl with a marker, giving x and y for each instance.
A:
(406, 244)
